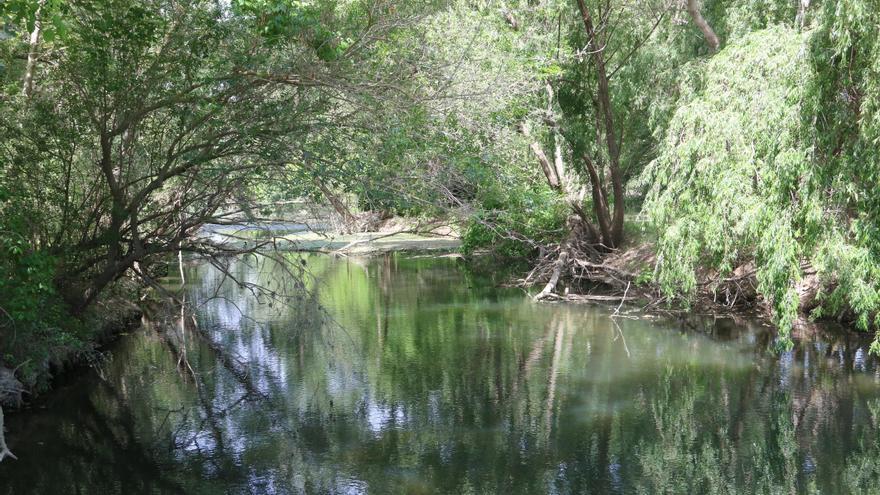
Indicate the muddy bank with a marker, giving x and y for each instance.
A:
(111, 318)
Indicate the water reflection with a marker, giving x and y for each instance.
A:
(413, 376)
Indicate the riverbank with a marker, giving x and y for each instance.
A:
(626, 278)
(396, 234)
(109, 319)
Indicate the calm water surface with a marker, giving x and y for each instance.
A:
(417, 377)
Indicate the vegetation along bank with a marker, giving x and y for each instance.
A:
(721, 151)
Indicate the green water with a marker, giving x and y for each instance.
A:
(412, 376)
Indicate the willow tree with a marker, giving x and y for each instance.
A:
(771, 160)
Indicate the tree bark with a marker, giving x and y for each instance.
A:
(561, 182)
(600, 205)
(708, 32)
(549, 172)
(348, 217)
(604, 102)
(34, 44)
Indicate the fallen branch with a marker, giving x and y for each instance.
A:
(598, 298)
(554, 278)
(622, 299)
(4, 450)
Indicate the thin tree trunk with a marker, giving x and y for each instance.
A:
(600, 205)
(31, 66)
(347, 217)
(604, 101)
(708, 32)
(549, 172)
(801, 19)
(558, 162)
(559, 180)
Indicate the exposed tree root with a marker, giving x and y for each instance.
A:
(613, 278)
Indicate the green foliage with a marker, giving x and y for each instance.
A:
(34, 326)
(24, 12)
(514, 221)
(772, 158)
(723, 186)
(844, 107)
(309, 20)
(734, 20)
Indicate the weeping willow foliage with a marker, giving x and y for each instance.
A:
(771, 157)
(844, 110)
(725, 183)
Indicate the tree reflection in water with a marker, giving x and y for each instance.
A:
(414, 376)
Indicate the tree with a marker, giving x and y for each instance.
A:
(711, 38)
(587, 104)
(610, 224)
(157, 116)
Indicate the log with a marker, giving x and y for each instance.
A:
(554, 278)
(4, 450)
(599, 297)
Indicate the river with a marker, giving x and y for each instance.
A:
(413, 375)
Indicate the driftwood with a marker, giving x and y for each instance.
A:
(4, 450)
(554, 277)
(592, 273)
(599, 297)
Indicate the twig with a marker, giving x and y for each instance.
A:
(622, 299)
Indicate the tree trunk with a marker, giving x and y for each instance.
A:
(600, 205)
(801, 19)
(348, 217)
(549, 172)
(31, 66)
(704, 26)
(604, 102)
